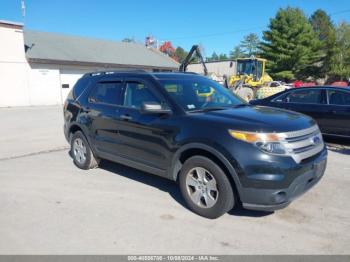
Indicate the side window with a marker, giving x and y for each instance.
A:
(107, 93)
(274, 84)
(312, 96)
(136, 93)
(338, 98)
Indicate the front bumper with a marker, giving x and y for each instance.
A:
(277, 198)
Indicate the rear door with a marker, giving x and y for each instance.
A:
(339, 112)
(103, 110)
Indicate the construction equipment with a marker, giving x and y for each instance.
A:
(187, 60)
(250, 75)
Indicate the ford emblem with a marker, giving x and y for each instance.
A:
(315, 140)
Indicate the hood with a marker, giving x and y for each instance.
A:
(260, 119)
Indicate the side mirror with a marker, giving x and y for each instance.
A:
(153, 108)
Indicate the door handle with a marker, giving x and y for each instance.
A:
(126, 117)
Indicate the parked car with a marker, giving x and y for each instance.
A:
(219, 149)
(299, 83)
(329, 106)
(270, 89)
(340, 84)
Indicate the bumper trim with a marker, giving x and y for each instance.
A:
(269, 199)
(265, 207)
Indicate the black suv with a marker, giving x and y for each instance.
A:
(190, 129)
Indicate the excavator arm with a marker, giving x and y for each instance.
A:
(187, 60)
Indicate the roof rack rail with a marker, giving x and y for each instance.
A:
(98, 73)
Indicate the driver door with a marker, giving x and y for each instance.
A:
(144, 137)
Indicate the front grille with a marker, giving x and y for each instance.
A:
(304, 143)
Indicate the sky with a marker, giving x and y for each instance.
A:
(217, 25)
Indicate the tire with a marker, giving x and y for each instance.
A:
(209, 198)
(246, 93)
(81, 152)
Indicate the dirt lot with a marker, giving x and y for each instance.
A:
(48, 206)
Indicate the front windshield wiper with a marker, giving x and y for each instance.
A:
(215, 108)
(240, 105)
(207, 109)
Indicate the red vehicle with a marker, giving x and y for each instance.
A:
(299, 83)
(340, 84)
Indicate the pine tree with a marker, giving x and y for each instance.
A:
(223, 57)
(180, 54)
(237, 53)
(250, 44)
(324, 28)
(290, 45)
(340, 62)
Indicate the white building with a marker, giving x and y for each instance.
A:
(39, 68)
(218, 68)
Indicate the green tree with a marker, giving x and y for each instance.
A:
(180, 54)
(340, 62)
(324, 28)
(237, 52)
(214, 57)
(223, 57)
(290, 45)
(250, 44)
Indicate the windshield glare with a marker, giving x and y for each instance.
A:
(199, 93)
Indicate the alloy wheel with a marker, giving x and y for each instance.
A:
(202, 187)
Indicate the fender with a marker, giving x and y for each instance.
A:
(85, 132)
(176, 165)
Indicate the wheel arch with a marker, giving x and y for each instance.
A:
(213, 154)
(74, 127)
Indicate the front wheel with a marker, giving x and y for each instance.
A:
(205, 187)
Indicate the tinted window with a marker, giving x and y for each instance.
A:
(338, 98)
(312, 96)
(80, 86)
(107, 92)
(136, 93)
(274, 84)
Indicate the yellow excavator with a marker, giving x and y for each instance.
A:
(250, 75)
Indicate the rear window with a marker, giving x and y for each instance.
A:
(107, 93)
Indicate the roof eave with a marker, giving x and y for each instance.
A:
(82, 63)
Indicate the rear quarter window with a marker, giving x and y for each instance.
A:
(80, 86)
(338, 98)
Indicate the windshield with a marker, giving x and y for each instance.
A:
(195, 94)
(246, 67)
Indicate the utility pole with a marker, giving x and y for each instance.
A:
(23, 9)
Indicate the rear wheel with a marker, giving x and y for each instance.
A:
(81, 152)
(205, 187)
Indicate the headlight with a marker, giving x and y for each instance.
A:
(266, 142)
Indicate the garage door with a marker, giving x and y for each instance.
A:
(68, 80)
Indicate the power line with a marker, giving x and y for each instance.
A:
(238, 31)
(214, 34)
(340, 12)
